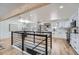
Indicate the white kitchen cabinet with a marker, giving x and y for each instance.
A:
(74, 37)
(75, 41)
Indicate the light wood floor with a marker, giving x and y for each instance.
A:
(7, 48)
(59, 47)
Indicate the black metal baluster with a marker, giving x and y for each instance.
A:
(23, 37)
(34, 38)
(11, 38)
(46, 52)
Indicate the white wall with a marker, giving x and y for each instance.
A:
(4, 27)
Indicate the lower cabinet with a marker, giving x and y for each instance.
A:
(74, 41)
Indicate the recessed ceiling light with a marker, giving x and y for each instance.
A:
(61, 7)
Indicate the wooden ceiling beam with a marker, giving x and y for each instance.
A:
(26, 8)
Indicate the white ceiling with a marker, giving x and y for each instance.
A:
(53, 10)
(5, 8)
(66, 12)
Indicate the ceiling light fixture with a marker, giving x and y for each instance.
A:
(61, 7)
(24, 21)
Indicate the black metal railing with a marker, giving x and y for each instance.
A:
(24, 34)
